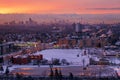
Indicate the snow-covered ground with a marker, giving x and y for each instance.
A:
(69, 54)
(116, 68)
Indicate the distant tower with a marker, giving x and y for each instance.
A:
(30, 20)
(78, 27)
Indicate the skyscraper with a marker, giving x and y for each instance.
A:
(78, 27)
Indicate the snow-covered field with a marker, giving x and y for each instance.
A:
(69, 54)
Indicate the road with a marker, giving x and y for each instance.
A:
(76, 70)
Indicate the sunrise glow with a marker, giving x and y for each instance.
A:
(60, 6)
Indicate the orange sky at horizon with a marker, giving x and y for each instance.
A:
(60, 7)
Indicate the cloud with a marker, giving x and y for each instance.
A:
(103, 8)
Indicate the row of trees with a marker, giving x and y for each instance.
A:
(57, 74)
(54, 61)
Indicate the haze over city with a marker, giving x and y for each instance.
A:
(70, 18)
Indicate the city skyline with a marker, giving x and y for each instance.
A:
(60, 7)
(71, 18)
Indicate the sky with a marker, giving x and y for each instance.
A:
(60, 6)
